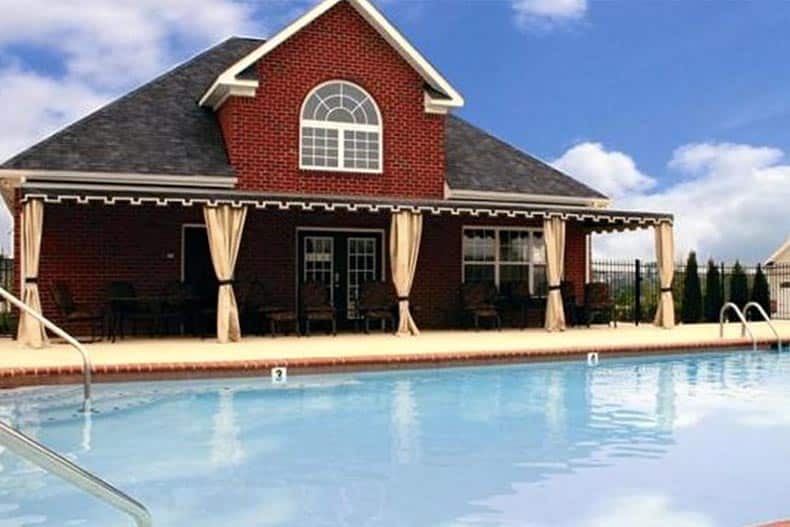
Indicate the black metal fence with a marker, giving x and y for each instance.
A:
(635, 287)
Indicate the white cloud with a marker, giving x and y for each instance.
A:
(547, 13)
(646, 511)
(611, 172)
(729, 201)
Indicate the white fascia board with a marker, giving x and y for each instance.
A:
(228, 80)
(517, 197)
(19, 177)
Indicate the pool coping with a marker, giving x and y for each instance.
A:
(146, 371)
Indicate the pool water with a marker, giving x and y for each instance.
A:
(682, 441)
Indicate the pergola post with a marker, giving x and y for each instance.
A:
(405, 235)
(225, 225)
(665, 259)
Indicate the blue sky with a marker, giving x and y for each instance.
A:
(679, 107)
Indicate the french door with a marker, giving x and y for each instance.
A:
(342, 260)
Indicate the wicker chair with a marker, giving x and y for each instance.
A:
(258, 304)
(376, 303)
(317, 305)
(71, 312)
(479, 301)
(598, 300)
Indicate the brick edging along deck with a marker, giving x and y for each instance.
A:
(40, 375)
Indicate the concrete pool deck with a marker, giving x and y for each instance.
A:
(144, 358)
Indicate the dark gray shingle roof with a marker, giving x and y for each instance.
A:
(160, 129)
(156, 129)
(479, 161)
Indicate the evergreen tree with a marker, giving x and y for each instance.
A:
(691, 307)
(739, 286)
(761, 293)
(713, 295)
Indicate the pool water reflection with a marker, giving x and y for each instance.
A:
(691, 440)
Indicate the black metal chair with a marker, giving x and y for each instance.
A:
(124, 307)
(479, 301)
(598, 300)
(72, 313)
(317, 305)
(376, 302)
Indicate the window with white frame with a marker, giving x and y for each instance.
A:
(340, 129)
(505, 256)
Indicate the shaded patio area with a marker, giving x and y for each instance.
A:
(190, 357)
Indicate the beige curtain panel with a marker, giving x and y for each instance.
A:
(665, 256)
(225, 225)
(554, 235)
(31, 332)
(405, 235)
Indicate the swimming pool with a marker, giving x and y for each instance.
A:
(684, 440)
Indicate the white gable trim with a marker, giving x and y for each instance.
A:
(779, 256)
(228, 82)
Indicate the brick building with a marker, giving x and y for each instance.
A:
(321, 135)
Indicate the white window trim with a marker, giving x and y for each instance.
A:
(497, 261)
(341, 128)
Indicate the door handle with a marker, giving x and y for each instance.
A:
(337, 279)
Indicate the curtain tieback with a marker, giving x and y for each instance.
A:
(403, 299)
(31, 280)
(555, 287)
(666, 289)
(226, 282)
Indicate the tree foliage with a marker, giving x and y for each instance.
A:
(761, 293)
(714, 299)
(691, 307)
(739, 286)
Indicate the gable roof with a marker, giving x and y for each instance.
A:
(479, 162)
(233, 81)
(159, 129)
(156, 129)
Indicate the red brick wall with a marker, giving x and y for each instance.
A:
(91, 245)
(262, 133)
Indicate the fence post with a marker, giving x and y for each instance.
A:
(723, 286)
(637, 292)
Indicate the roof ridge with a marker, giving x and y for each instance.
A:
(521, 152)
(134, 91)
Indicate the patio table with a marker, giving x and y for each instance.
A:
(121, 306)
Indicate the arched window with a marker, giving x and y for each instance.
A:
(340, 129)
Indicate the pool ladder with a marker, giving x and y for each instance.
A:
(52, 462)
(745, 323)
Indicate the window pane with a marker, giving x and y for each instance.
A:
(359, 148)
(513, 273)
(478, 273)
(538, 247)
(514, 246)
(479, 245)
(319, 147)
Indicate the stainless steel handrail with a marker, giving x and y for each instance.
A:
(87, 365)
(744, 326)
(762, 312)
(56, 464)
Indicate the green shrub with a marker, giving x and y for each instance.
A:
(691, 307)
(761, 293)
(739, 286)
(714, 299)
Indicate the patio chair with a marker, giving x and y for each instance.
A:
(598, 300)
(124, 307)
(479, 301)
(376, 303)
(317, 305)
(568, 290)
(72, 313)
(258, 306)
(518, 295)
(177, 306)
